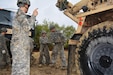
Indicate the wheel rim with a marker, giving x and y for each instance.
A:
(101, 59)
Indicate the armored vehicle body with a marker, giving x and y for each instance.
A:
(91, 46)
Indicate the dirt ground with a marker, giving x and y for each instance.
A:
(44, 70)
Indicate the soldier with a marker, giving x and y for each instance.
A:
(58, 40)
(20, 43)
(44, 50)
(4, 54)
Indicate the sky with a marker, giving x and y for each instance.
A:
(46, 10)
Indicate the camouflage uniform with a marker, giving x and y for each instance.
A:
(20, 43)
(4, 55)
(58, 40)
(32, 59)
(44, 50)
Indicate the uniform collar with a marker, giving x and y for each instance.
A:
(20, 12)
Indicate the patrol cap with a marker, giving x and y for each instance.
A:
(43, 32)
(51, 27)
(3, 30)
(21, 3)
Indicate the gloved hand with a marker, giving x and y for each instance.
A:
(3, 51)
(53, 43)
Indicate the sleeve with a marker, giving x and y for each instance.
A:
(50, 38)
(63, 37)
(40, 40)
(43, 40)
(31, 20)
(46, 41)
(1, 42)
(28, 23)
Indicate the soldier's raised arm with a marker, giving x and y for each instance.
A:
(29, 23)
(32, 19)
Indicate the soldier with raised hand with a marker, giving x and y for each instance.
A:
(44, 49)
(58, 41)
(20, 43)
(4, 54)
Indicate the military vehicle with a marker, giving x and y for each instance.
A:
(91, 46)
(6, 18)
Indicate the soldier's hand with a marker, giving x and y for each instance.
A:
(35, 12)
(53, 43)
(3, 51)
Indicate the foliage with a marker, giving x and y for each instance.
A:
(66, 30)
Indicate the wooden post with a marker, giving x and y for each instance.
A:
(71, 59)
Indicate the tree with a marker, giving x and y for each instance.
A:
(68, 32)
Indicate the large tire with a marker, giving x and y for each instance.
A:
(95, 51)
